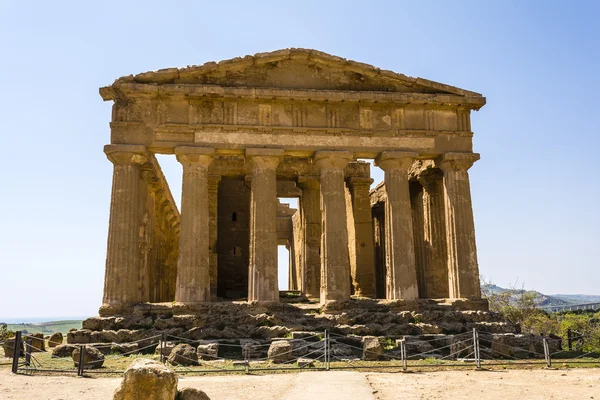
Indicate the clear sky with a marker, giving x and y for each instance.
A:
(536, 190)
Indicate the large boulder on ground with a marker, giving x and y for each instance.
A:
(280, 351)
(183, 354)
(208, 350)
(9, 348)
(92, 358)
(192, 394)
(372, 348)
(149, 380)
(55, 340)
(38, 343)
(63, 350)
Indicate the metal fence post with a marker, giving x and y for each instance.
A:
(476, 348)
(547, 353)
(163, 346)
(403, 354)
(16, 352)
(81, 360)
(326, 346)
(28, 352)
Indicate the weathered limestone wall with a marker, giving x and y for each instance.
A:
(163, 227)
(234, 238)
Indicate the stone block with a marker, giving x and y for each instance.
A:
(208, 350)
(63, 350)
(55, 339)
(280, 351)
(92, 357)
(372, 349)
(147, 379)
(183, 354)
(191, 394)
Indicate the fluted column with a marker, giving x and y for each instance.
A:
(193, 265)
(310, 204)
(463, 270)
(123, 260)
(364, 270)
(435, 256)
(262, 273)
(213, 235)
(401, 275)
(335, 257)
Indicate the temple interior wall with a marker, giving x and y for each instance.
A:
(233, 224)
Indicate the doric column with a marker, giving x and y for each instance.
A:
(213, 207)
(435, 256)
(310, 204)
(401, 275)
(363, 272)
(193, 265)
(262, 274)
(126, 211)
(335, 258)
(463, 271)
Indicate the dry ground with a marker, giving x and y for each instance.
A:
(456, 385)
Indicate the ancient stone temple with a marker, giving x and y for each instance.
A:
(290, 123)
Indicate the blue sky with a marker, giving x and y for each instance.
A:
(535, 191)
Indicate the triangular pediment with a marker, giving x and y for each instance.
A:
(295, 69)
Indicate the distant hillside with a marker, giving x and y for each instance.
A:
(547, 300)
(578, 298)
(47, 328)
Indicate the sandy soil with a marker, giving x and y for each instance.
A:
(455, 385)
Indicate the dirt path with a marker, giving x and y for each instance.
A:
(456, 385)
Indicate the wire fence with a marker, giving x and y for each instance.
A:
(316, 351)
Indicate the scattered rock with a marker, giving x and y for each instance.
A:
(280, 351)
(208, 350)
(124, 348)
(252, 349)
(305, 362)
(372, 348)
(183, 354)
(166, 350)
(92, 358)
(191, 394)
(38, 343)
(63, 350)
(9, 348)
(55, 340)
(147, 379)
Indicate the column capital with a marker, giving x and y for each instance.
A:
(264, 158)
(326, 159)
(395, 160)
(430, 176)
(356, 180)
(187, 155)
(309, 181)
(457, 161)
(120, 154)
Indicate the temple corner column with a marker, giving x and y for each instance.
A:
(463, 270)
(126, 212)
